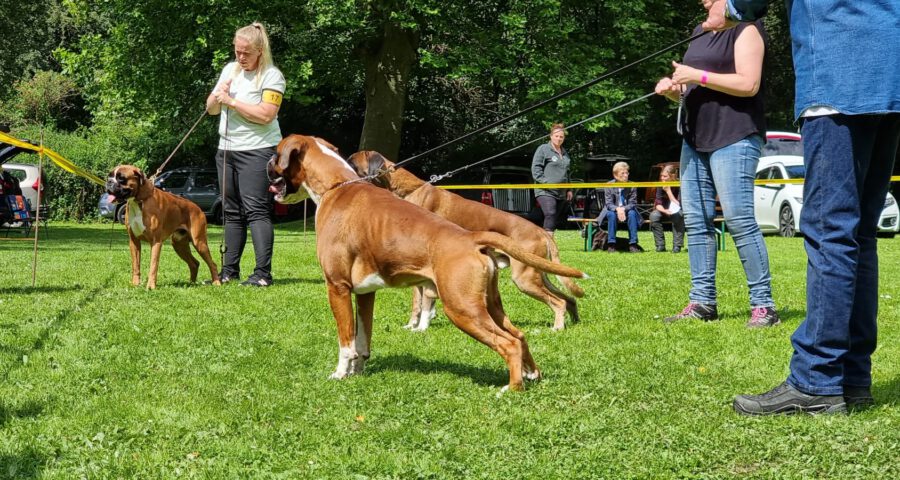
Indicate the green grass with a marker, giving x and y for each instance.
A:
(99, 379)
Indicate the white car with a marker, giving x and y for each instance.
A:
(777, 207)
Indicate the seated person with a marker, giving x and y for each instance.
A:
(621, 207)
(667, 206)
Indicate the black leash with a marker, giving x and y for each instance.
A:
(552, 99)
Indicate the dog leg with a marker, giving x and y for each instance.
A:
(530, 282)
(571, 304)
(342, 309)
(416, 311)
(365, 308)
(134, 244)
(470, 314)
(427, 312)
(155, 249)
(495, 307)
(203, 249)
(181, 247)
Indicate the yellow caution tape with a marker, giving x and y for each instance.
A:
(575, 186)
(58, 159)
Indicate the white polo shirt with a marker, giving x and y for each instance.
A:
(236, 132)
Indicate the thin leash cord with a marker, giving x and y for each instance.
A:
(223, 245)
(553, 98)
(437, 178)
(185, 137)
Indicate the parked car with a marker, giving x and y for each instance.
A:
(27, 175)
(197, 184)
(777, 207)
(518, 201)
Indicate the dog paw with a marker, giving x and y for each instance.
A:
(534, 376)
(338, 376)
(502, 391)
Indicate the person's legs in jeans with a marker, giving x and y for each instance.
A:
(612, 221)
(846, 180)
(235, 225)
(548, 206)
(698, 195)
(257, 203)
(632, 217)
(734, 170)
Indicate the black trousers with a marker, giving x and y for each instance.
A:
(248, 202)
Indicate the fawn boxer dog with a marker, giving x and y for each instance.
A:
(368, 239)
(475, 216)
(154, 215)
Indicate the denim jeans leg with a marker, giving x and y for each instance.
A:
(698, 195)
(633, 219)
(612, 221)
(734, 169)
(848, 164)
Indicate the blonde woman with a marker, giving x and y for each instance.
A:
(667, 205)
(248, 95)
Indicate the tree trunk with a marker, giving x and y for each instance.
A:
(388, 62)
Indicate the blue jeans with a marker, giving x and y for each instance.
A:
(849, 160)
(632, 219)
(728, 172)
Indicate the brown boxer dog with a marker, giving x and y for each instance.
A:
(367, 239)
(475, 216)
(155, 215)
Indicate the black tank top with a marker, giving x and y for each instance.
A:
(715, 119)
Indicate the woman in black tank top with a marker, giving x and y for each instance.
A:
(722, 118)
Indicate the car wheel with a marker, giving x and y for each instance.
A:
(120, 214)
(786, 222)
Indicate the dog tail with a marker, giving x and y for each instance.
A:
(570, 285)
(506, 245)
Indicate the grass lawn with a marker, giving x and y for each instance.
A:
(99, 379)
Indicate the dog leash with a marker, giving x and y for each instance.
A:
(185, 137)
(436, 178)
(554, 98)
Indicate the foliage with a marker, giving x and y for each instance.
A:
(45, 99)
(104, 380)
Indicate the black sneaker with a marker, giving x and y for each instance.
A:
(858, 398)
(787, 400)
(699, 311)
(635, 248)
(676, 249)
(660, 249)
(610, 249)
(254, 281)
(225, 278)
(763, 317)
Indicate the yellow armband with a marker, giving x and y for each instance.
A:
(271, 96)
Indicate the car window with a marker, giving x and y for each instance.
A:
(782, 146)
(19, 174)
(764, 173)
(776, 174)
(796, 171)
(497, 178)
(173, 180)
(206, 180)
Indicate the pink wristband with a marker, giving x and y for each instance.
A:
(704, 78)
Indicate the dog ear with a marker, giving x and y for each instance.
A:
(295, 148)
(325, 143)
(140, 177)
(377, 170)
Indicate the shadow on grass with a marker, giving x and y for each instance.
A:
(493, 377)
(39, 289)
(57, 320)
(24, 465)
(887, 393)
(29, 410)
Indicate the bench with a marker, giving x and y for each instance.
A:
(590, 224)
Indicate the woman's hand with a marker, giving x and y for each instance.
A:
(667, 88)
(685, 75)
(222, 95)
